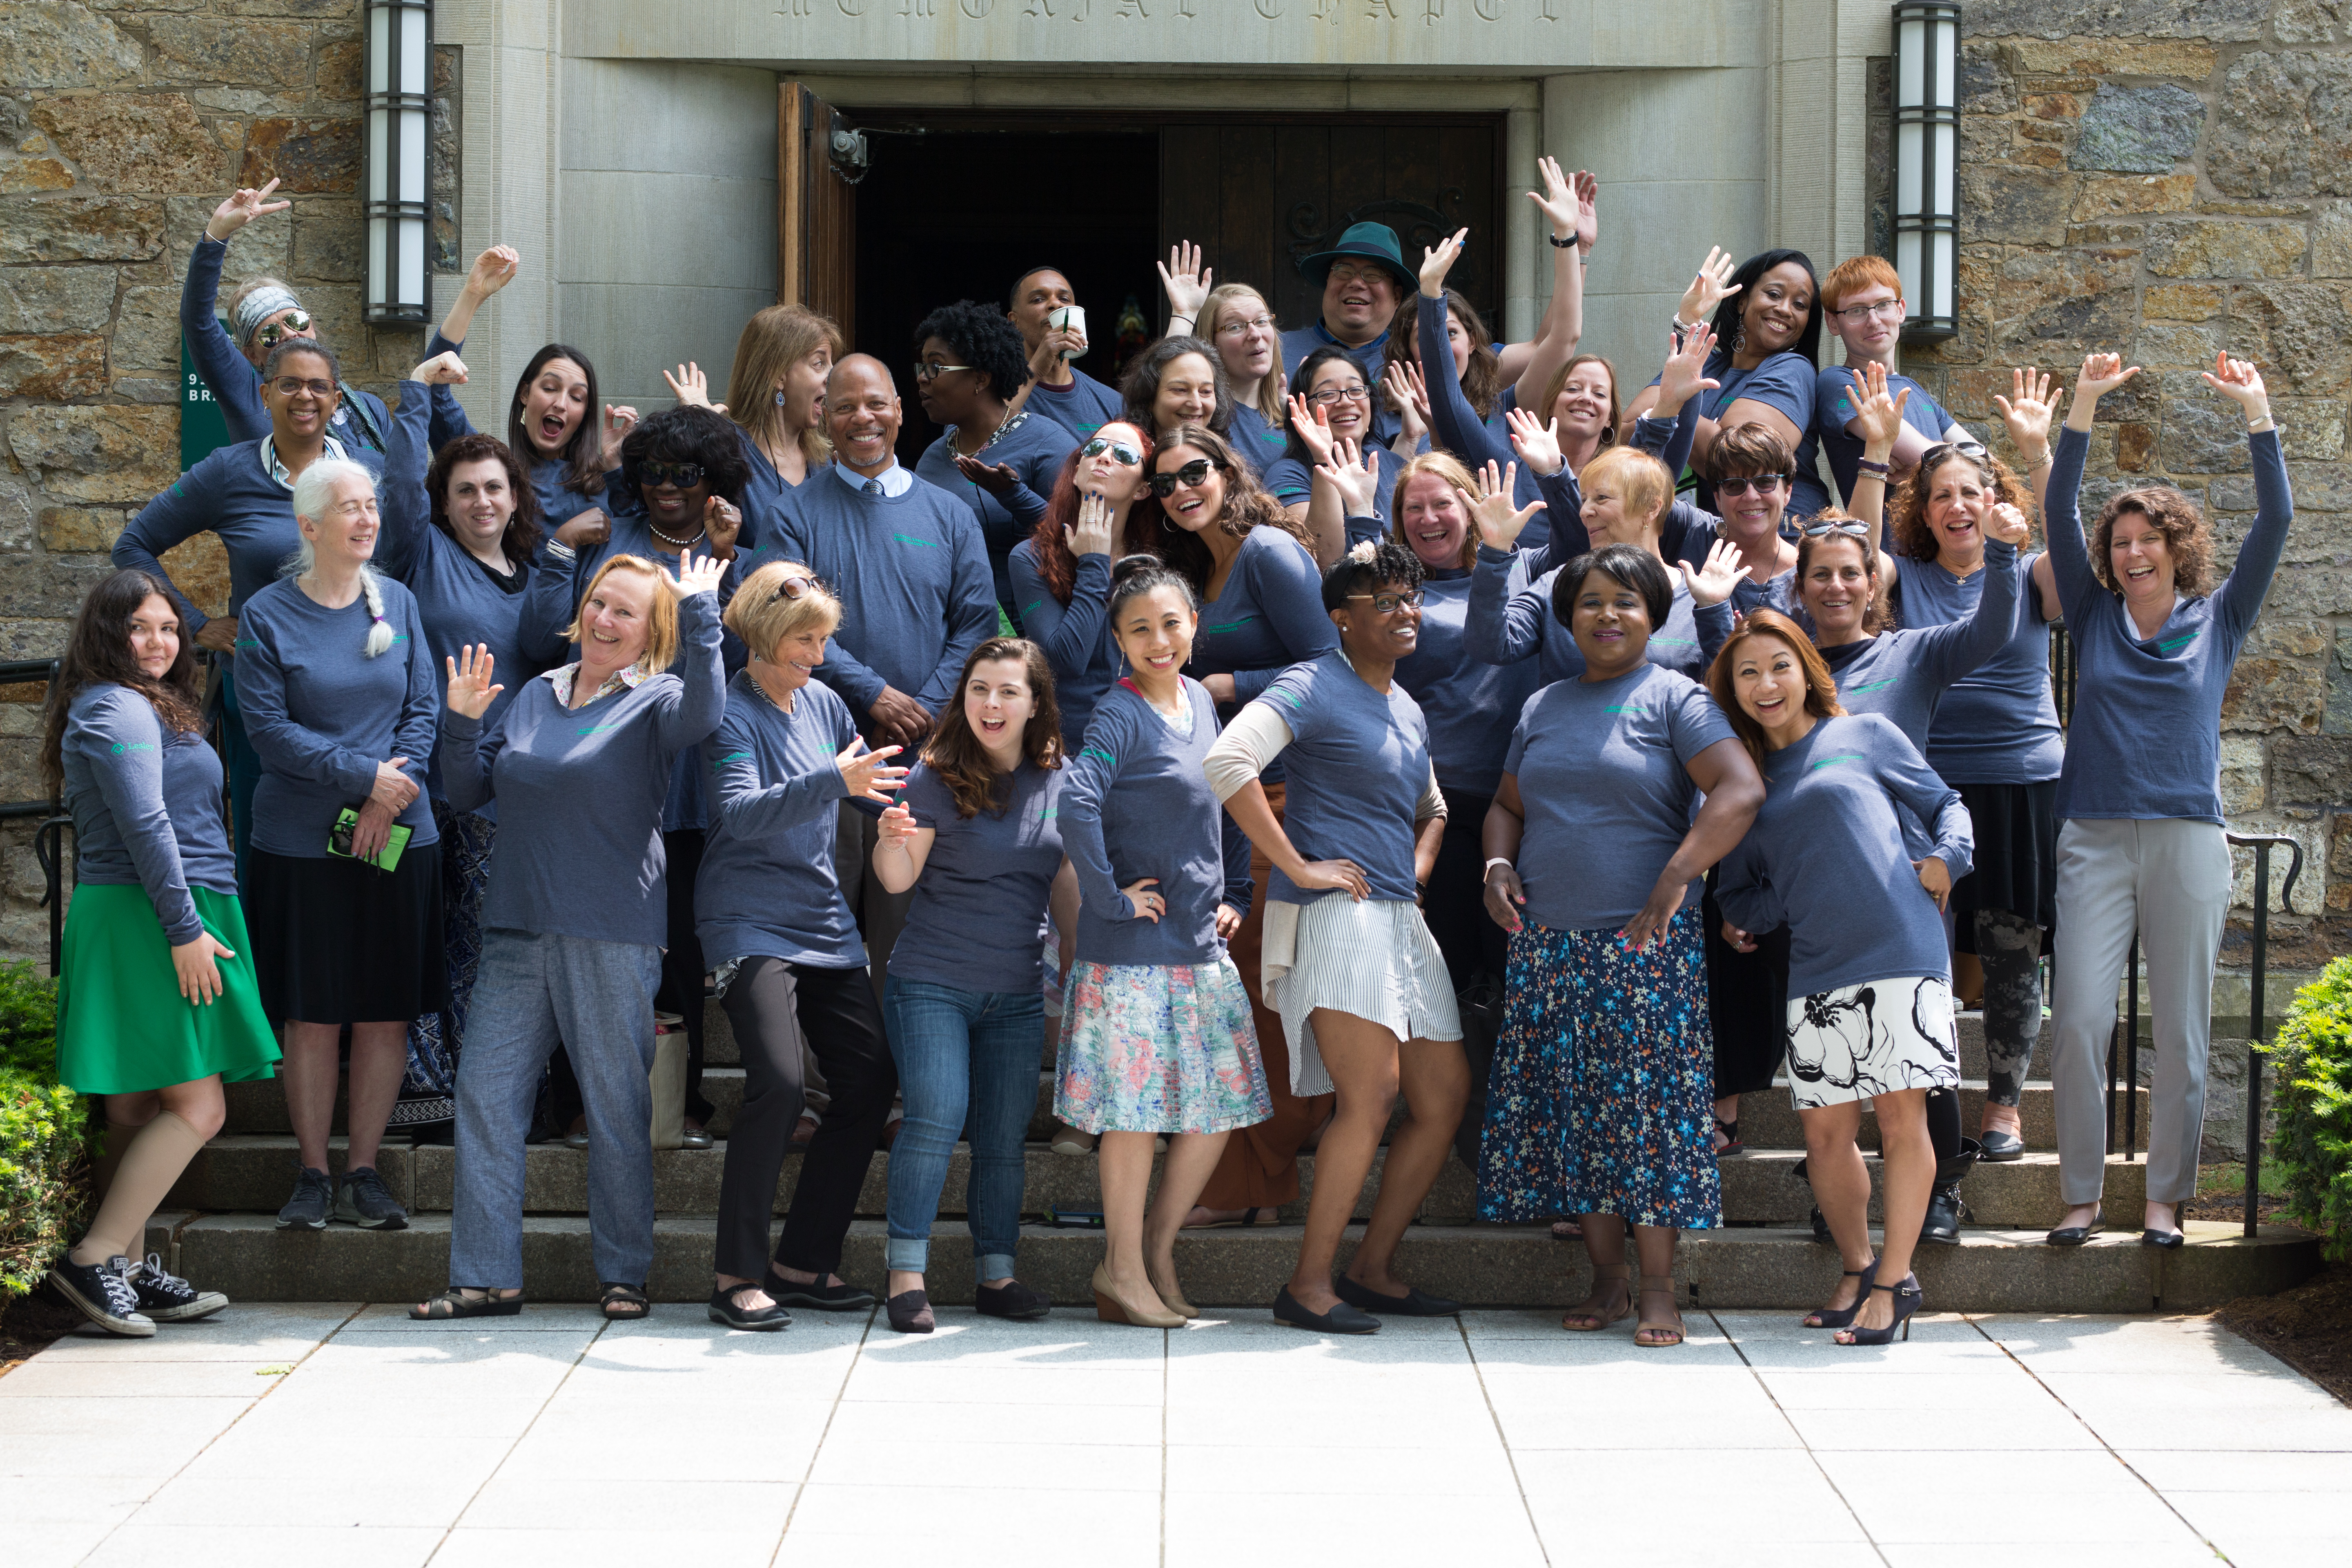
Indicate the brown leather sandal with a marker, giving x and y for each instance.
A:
(1647, 1333)
(1587, 1320)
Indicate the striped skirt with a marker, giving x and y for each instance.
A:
(1374, 960)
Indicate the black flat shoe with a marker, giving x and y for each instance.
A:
(822, 1297)
(2168, 1239)
(910, 1312)
(1411, 1304)
(1340, 1320)
(1017, 1302)
(2001, 1148)
(752, 1320)
(2076, 1235)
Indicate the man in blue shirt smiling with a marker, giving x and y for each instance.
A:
(1363, 278)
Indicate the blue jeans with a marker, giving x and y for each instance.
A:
(960, 1051)
(597, 997)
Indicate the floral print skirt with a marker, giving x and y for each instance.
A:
(1159, 1049)
(1601, 1100)
(1880, 1036)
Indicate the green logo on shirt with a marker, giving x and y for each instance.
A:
(1870, 686)
(599, 729)
(911, 538)
(730, 757)
(248, 642)
(1634, 708)
(118, 748)
(2171, 646)
(1841, 757)
(1232, 626)
(1097, 752)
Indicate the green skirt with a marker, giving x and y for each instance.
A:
(122, 1024)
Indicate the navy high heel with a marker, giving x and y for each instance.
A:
(1907, 1301)
(1842, 1317)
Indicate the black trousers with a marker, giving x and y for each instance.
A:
(773, 1005)
(682, 965)
(1746, 1002)
(1477, 951)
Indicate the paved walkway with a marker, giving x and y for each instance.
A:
(264, 1437)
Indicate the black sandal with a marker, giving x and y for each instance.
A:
(1729, 1131)
(455, 1303)
(624, 1303)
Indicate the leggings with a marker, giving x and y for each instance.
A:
(2008, 946)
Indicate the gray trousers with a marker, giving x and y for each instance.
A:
(2170, 878)
(597, 997)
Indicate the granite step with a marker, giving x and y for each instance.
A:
(1488, 1266)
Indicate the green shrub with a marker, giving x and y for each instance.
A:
(42, 1189)
(28, 1021)
(2312, 1075)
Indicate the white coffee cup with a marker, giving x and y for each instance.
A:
(1074, 319)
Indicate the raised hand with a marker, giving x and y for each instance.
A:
(1185, 282)
(689, 387)
(1557, 199)
(1313, 428)
(1091, 536)
(1146, 904)
(2006, 523)
(2027, 412)
(618, 423)
(1354, 475)
(1505, 895)
(1333, 876)
(696, 574)
(1588, 210)
(444, 369)
(242, 207)
(1408, 389)
(1438, 259)
(492, 270)
(2102, 374)
(585, 530)
(1711, 287)
(997, 480)
(1712, 584)
(1498, 520)
(471, 691)
(1880, 416)
(868, 776)
(1685, 375)
(721, 521)
(1537, 444)
(2242, 383)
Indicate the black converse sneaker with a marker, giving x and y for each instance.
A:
(103, 1293)
(168, 1298)
(362, 1199)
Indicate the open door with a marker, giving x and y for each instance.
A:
(820, 158)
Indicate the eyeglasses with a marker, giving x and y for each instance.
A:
(1762, 484)
(1191, 476)
(927, 371)
(1347, 272)
(294, 386)
(1844, 525)
(682, 476)
(1120, 452)
(1359, 393)
(1885, 309)
(1261, 323)
(799, 588)
(292, 324)
(1390, 604)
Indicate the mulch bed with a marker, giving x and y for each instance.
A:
(29, 1324)
(2309, 1327)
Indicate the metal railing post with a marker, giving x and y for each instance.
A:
(2131, 1053)
(2262, 844)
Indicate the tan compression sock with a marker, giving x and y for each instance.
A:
(148, 1167)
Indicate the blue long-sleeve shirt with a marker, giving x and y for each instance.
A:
(1470, 705)
(582, 791)
(1135, 803)
(1268, 616)
(1035, 445)
(230, 493)
(1997, 723)
(146, 806)
(1076, 637)
(2145, 739)
(1903, 673)
(1506, 627)
(234, 380)
(1454, 425)
(911, 570)
(769, 886)
(1825, 856)
(321, 714)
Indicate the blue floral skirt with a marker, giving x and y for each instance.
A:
(1601, 1100)
(1159, 1049)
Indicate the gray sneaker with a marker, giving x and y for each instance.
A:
(362, 1199)
(314, 1195)
(102, 1292)
(168, 1298)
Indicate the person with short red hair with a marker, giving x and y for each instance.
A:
(1862, 299)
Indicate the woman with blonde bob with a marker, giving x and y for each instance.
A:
(777, 931)
(576, 914)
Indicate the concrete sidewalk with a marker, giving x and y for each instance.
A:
(265, 1437)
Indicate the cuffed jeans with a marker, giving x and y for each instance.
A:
(597, 997)
(959, 1052)
(2169, 879)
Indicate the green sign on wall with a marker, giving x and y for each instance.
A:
(203, 430)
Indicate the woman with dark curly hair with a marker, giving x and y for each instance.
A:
(969, 363)
(1357, 981)
(460, 527)
(2141, 846)
(683, 479)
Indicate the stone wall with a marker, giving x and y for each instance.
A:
(2168, 178)
(123, 123)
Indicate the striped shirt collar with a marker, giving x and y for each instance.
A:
(278, 470)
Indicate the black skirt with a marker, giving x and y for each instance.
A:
(2016, 856)
(339, 942)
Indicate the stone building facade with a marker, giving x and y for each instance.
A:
(2169, 177)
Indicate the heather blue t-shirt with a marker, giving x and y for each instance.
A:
(146, 806)
(1291, 481)
(1506, 626)
(1836, 399)
(1905, 672)
(1358, 763)
(1998, 723)
(979, 916)
(1034, 446)
(1254, 439)
(1783, 383)
(1470, 705)
(1603, 769)
(1083, 407)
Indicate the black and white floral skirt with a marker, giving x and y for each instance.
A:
(1880, 1036)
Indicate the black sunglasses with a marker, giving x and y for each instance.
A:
(1762, 484)
(797, 588)
(1838, 525)
(1121, 451)
(684, 476)
(293, 324)
(1191, 476)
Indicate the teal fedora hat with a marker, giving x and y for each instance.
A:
(1372, 241)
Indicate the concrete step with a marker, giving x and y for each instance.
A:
(1489, 1266)
(251, 1173)
(1769, 1120)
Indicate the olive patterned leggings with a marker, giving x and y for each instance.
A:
(2008, 946)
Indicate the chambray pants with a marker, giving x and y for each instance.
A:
(2170, 878)
(534, 990)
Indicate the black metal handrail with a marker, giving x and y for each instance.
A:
(2262, 844)
(49, 838)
